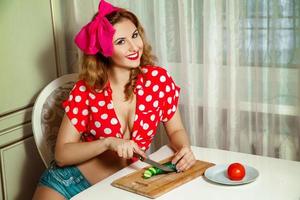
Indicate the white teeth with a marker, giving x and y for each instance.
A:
(132, 56)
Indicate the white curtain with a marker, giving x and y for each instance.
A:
(237, 62)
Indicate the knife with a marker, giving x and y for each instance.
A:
(155, 164)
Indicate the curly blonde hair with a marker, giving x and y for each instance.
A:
(94, 68)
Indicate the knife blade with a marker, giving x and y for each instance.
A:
(156, 164)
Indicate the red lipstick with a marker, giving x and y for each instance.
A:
(133, 56)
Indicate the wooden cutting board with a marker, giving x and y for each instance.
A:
(159, 184)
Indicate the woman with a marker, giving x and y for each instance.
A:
(113, 110)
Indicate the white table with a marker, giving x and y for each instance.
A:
(278, 179)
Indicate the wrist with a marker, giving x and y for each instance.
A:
(181, 147)
(107, 143)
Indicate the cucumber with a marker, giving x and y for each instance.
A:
(152, 171)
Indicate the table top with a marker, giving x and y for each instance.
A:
(278, 179)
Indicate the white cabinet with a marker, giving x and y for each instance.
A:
(27, 55)
(21, 167)
(27, 64)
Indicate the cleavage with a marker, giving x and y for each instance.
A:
(125, 113)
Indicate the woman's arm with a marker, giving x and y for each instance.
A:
(70, 150)
(179, 142)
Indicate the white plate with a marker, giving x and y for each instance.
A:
(218, 174)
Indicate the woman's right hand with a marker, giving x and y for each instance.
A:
(124, 148)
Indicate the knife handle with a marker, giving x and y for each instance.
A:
(141, 158)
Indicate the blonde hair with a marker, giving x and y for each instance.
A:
(94, 68)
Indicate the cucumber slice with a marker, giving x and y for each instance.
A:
(152, 171)
(147, 174)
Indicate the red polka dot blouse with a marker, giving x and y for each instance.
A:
(92, 112)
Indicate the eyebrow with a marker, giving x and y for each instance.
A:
(124, 37)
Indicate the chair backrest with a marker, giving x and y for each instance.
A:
(48, 113)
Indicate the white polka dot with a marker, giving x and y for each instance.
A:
(176, 93)
(94, 109)
(101, 103)
(145, 70)
(104, 116)
(70, 97)
(67, 109)
(83, 123)
(169, 111)
(160, 113)
(154, 73)
(165, 120)
(97, 124)
(148, 98)
(138, 138)
(136, 117)
(141, 122)
(78, 98)
(145, 126)
(134, 134)
(75, 111)
(87, 102)
(143, 142)
(161, 94)
(174, 108)
(118, 135)
(85, 112)
(143, 148)
(110, 106)
(138, 87)
(150, 133)
(173, 86)
(168, 89)
(155, 104)
(105, 93)
(141, 107)
(113, 121)
(74, 121)
(152, 117)
(148, 83)
(92, 96)
(93, 132)
(169, 100)
(155, 88)
(107, 131)
(162, 79)
(140, 92)
(82, 88)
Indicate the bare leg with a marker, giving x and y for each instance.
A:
(46, 193)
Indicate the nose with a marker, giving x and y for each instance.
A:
(133, 46)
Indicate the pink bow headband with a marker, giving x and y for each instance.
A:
(97, 35)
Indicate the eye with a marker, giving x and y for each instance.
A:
(135, 35)
(119, 42)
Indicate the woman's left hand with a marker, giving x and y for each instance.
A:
(185, 158)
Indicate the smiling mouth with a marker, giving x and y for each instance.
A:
(133, 56)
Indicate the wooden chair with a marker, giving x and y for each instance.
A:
(47, 115)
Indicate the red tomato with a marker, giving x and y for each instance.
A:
(236, 171)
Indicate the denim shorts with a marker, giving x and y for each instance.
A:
(68, 181)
